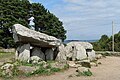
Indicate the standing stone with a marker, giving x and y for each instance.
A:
(91, 55)
(62, 53)
(37, 52)
(23, 52)
(81, 53)
(49, 54)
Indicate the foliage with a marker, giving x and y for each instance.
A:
(105, 43)
(18, 11)
(85, 73)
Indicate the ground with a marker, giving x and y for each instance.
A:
(108, 70)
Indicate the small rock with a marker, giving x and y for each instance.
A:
(82, 69)
(99, 56)
(72, 64)
(59, 65)
(7, 66)
(93, 64)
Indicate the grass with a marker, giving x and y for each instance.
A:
(48, 70)
(84, 73)
(44, 71)
(6, 54)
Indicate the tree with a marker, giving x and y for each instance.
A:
(47, 22)
(102, 44)
(105, 43)
(18, 11)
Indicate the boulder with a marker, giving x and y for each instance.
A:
(62, 53)
(37, 52)
(22, 34)
(49, 54)
(23, 52)
(75, 51)
(35, 59)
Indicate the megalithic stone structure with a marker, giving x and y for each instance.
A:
(28, 37)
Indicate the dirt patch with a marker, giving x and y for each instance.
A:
(108, 70)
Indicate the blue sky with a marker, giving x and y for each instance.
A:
(85, 19)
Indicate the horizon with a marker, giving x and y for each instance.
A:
(84, 19)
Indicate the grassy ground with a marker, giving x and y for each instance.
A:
(4, 56)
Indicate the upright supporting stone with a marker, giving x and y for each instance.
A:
(91, 55)
(23, 52)
(37, 52)
(62, 53)
(49, 54)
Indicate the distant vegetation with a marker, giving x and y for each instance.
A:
(105, 43)
(19, 11)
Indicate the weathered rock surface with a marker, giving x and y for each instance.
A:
(62, 53)
(25, 35)
(82, 69)
(23, 52)
(91, 55)
(35, 59)
(80, 50)
(86, 45)
(75, 51)
(37, 52)
(49, 54)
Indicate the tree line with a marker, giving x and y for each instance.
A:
(105, 43)
(19, 11)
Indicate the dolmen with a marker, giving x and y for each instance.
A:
(33, 44)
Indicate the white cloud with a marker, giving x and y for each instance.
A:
(88, 19)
